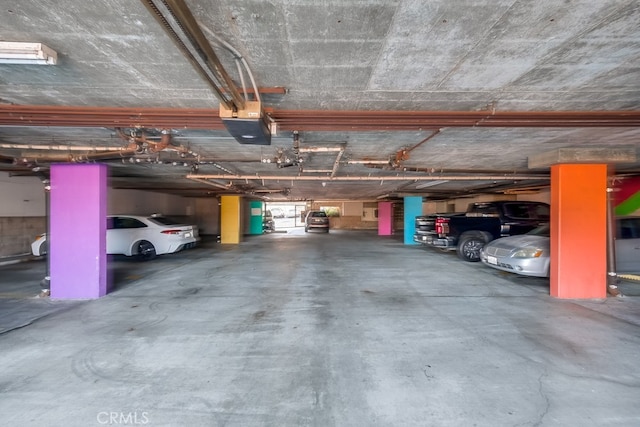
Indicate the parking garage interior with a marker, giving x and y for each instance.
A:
(214, 113)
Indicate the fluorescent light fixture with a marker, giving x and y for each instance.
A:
(431, 183)
(27, 53)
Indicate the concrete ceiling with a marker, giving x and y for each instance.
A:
(440, 98)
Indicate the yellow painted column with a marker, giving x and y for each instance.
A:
(230, 226)
(578, 231)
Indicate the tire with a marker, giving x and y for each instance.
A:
(146, 251)
(306, 230)
(469, 247)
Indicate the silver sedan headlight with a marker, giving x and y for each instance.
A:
(528, 253)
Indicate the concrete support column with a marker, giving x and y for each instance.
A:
(578, 230)
(77, 232)
(230, 226)
(412, 209)
(385, 218)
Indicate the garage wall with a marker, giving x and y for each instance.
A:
(460, 205)
(204, 212)
(22, 214)
(353, 215)
(207, 215)
(136, 202)
(23, 211)
(21, 196)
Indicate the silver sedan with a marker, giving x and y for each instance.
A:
(528, 254)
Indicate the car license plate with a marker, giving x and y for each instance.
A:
(492, 260)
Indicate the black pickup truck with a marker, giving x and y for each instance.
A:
(468, 232)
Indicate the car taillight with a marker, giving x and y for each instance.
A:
(171, 231)
(442, 225)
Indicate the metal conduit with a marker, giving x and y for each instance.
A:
(308, 120)
(368, 178)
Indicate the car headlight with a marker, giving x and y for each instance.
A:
(528, 253)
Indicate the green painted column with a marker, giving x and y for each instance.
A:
(255, 217)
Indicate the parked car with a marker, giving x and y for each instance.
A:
(316, 220)
(277, 212)
(466, 233)
(528, 254)
(268, 224)
(141, 236)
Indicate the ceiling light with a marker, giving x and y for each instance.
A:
(27, 53)
(431, 183)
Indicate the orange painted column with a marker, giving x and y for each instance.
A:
(579, 231)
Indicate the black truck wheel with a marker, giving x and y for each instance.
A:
(469, 247)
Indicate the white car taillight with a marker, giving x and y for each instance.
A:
(173, 232)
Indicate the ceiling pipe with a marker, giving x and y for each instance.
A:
(336, 163)
(56, 147)
(308, 120)
(441, 171)
(320, 149)
(371, 178)
(178, 22)
(213, 184)
(403, 154)
(73, 158)
(368, 162)
(142, 143)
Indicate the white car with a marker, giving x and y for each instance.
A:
(142, 236)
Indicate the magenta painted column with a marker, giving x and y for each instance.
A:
(77, 231)
(385, 218)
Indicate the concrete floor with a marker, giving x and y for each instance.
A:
(295, 329)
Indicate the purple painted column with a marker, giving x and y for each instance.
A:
(385, 218)
(77, 231)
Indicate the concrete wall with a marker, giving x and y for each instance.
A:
(204, 212)
(207, 215)
(23, 211)
(22, 214)
(17, 233)
(356, 215)
(460, 205)
(21, 196)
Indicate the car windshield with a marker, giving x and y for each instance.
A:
(543, 230)
(319, 214)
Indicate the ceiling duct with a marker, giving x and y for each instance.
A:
(247, 125)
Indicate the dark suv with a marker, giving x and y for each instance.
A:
(316, 220)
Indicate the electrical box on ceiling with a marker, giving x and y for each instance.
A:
(248, 125)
